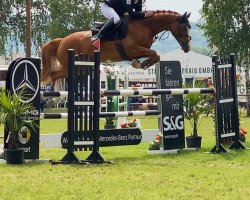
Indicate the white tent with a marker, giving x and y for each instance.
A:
(193, 64)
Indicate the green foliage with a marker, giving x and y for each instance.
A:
(13, 114)
(50, 19)
(201, 50)
(227, 25)
(196, 106)
(135, 175)
(68, 16)
(13, 24)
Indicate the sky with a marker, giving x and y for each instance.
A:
(180, 6)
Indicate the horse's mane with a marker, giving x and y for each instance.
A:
(160, 14)
(156, 13)
(165, 12)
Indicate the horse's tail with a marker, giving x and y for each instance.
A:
(49, 60)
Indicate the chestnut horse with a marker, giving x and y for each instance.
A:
(136, 44)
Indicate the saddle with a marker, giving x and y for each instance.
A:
(119, 32)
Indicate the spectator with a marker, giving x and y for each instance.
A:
(210, 83)
(42, 103)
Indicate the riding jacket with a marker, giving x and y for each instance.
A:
(132, 7)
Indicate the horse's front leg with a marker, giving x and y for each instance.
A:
(142, 52)
(149, 62)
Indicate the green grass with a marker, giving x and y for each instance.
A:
(60, 125)
(135, 174)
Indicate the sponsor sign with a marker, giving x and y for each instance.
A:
(172, 121)
(24, 74)
(109, 137)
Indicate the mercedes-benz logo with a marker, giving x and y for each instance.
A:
(25, 75)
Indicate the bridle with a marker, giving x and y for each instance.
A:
(182, 43)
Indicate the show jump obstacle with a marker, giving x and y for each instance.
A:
(226, 104)
(84, 101)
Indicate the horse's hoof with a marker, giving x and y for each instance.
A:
(146, 67)
(136, 64)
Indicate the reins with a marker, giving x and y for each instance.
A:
(161, 37)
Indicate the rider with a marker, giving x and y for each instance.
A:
(113, 10)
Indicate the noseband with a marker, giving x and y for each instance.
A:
(182, 43)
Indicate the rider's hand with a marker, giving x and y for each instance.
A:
(149, 13)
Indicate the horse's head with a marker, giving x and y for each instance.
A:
(181, 32)
(177, 24)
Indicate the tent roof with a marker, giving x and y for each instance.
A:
(192, 64)
(190, 59)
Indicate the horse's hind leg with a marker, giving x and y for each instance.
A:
(61, 72)
(58, 74)
(47, 81)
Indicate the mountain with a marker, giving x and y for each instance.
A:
(168, 42)
(165, 44)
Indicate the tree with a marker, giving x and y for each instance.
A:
(68, 16)
(50, 19)
(13, 24)
(227, 26)
(201, 50)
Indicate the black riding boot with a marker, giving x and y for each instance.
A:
(104, 30)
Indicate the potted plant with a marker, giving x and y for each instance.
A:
(243, 133)
(155, 145)
(110, 123)
(14, 117)
(131, 124)
(196, 106)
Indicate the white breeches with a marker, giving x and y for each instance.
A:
(109, 12)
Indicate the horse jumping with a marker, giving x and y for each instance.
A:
(137, 43)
